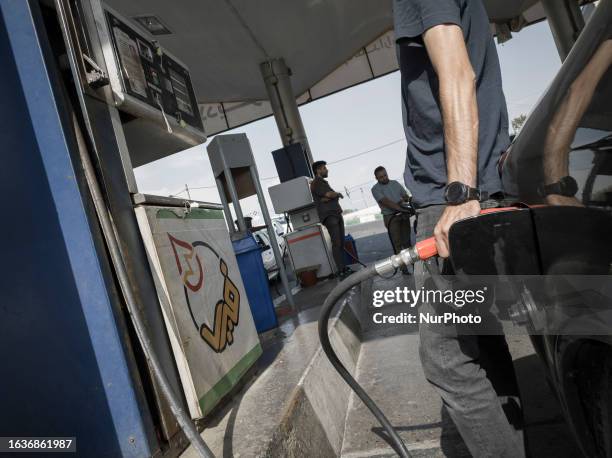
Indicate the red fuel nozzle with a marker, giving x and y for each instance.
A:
(426, 248)
(422, 250)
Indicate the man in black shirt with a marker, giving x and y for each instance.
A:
(330, 213)
(456, 126)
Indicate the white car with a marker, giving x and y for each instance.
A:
(267, 255)
(280, 226)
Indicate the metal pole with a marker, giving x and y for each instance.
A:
(276, 76)
(229, 182)
(272, 233)
(363, 197)
(565, 21)
(226, 209)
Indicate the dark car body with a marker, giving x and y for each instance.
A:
(559, 249)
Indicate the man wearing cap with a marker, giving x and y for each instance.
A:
(330, 213)
(456, 126)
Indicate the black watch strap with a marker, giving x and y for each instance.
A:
(548, 189)
(457, 193)
(566, 186)
(477, 194)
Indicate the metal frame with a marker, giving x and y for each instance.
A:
(106, 406)
(107, 139)
(223, 168)
(565, 21)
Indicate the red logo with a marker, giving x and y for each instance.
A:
(188, 254)
(227, 309)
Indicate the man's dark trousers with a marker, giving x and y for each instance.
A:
(335, 227)
(472, 373)
(399, 229)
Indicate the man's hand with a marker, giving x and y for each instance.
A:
(563, 201)
(451, 214)
(388, 203)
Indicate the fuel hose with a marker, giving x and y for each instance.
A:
(421, 251)
(409, 255)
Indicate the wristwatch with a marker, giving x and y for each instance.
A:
(457, 193)
(566, 186)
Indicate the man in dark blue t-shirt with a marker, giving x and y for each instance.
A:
(456, 126)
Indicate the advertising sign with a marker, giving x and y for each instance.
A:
(204, 303)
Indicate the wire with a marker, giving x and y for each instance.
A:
(275, 177)
(368, 182)
(177, 193)
(367, 151)
(191, 188)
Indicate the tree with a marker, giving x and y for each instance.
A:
(517, 123)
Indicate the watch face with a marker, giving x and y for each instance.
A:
(569, 187)
(455, 193)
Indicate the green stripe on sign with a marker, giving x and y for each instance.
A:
(229, 380)
(194, 213)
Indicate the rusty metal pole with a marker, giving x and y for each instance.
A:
(277, 77)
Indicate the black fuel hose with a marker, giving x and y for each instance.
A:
(324, 317)
(421, 251)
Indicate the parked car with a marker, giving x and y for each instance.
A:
(267, 254)
(559, 249)
(280, 226)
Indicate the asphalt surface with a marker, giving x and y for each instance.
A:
(372, 241)
(389, 369)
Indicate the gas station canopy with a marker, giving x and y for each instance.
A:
(329, 45)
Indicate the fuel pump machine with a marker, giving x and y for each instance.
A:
(308, 243)
(128, 314)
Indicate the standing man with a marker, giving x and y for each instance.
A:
(390, 195)
(456, 126)
(330, 214)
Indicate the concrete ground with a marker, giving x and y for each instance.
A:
(296, 405)
(390, 371)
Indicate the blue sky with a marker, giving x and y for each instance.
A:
(356, 120)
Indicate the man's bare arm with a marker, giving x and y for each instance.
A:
(333, 195)
(325, 196)
(449, 57)
(562, 128)
(386, 202)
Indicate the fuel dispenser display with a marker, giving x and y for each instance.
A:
(151, 76)
(151, 88)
